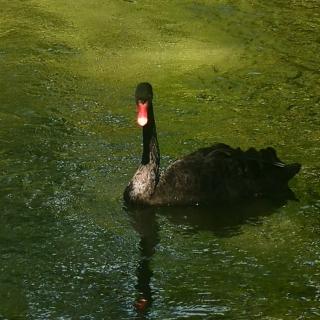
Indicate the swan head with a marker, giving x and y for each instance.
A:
(143, 96)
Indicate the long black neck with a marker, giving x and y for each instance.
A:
(151, 152)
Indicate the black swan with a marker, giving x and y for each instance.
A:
(214, 174)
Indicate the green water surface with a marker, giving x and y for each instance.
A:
(246, 73)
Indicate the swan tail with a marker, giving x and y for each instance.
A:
(291, 170)
(269, 156)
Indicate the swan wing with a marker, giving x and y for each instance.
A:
(220, 173)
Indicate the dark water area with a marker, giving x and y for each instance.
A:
(246, 73)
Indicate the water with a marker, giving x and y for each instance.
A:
(244, 73)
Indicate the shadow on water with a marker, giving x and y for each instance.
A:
(222, 220)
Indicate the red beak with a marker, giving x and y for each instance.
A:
(142, 116)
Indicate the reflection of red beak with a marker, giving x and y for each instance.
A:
(142, 116)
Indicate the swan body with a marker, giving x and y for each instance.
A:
(209, 175)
